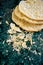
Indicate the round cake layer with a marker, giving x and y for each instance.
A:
(32, 9)
(27, 19)
(26, 25)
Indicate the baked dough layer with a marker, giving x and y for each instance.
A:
(23, 17)
(29, 17)
(25, 25)
(32, 9)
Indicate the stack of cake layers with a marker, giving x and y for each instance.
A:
(29, 15)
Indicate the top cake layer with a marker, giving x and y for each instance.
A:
(32, 9)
